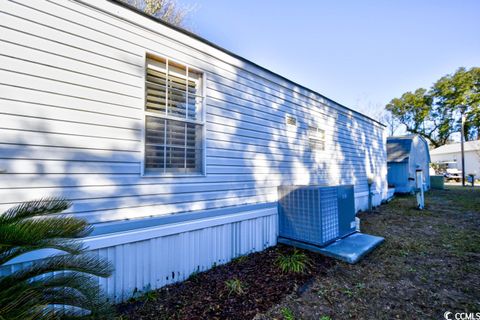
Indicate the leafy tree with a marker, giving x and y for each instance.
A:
(61, 285)
(434, 114)
(412, 109)
(167, 10)
(461, 88)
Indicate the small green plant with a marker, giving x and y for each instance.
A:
(150, 296)
(348, 292)
(194, 276)
(287, 314)
(235, 286)
(360, 286)
(403, 252)
(296, 262)
(321, 292)
(325, 318)
(146, 294)
(240, 259)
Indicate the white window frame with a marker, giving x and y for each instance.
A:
(313, 138)
(145, 113)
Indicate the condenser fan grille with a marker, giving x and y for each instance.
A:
(316, 214)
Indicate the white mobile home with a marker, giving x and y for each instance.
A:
(405, 156)
(173, 147)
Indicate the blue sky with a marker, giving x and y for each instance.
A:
(359, 53)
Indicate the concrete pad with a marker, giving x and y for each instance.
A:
(350, 249)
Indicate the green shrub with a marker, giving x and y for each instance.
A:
(235, 286)
(296, 262)
(287, 314)
(60, 280)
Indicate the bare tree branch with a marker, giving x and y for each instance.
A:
(169, 11)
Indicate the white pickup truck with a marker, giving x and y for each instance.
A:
(453, 174)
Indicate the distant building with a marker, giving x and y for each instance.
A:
(406, 155)
(450, 156)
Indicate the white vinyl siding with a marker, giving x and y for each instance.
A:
(72, 105)
(82, 116)
(174, 122)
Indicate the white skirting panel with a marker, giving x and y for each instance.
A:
(150, 258)
(361, 200)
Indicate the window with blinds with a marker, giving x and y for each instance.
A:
(316, 138)
(174, 123)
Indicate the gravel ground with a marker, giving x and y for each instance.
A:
(429, 264)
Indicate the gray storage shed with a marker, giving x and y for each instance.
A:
(406, 154)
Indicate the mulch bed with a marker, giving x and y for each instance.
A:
(206, 296)
(428, 265)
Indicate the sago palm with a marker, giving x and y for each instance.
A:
(59, 286)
